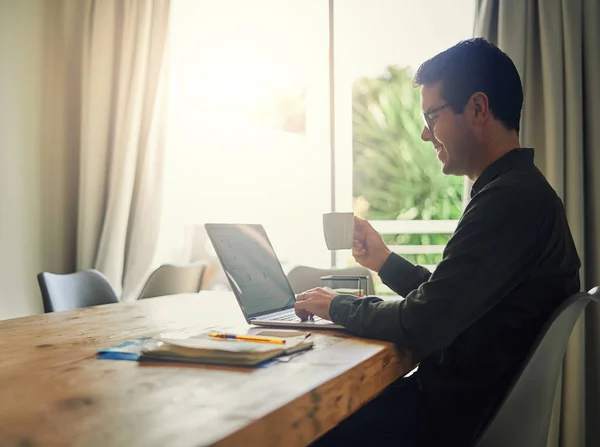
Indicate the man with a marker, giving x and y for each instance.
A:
(507, 266)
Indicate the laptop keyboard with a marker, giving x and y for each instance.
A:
(291, 317)
(288, 317)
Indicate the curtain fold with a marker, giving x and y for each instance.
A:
(123, 88)
(555, 45)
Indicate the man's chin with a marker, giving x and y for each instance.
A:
(446, 168)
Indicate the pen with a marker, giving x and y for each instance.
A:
(257, 338)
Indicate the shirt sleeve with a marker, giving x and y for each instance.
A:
(489, 254)
(401, 275)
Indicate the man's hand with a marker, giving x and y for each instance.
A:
(314, 302)
(368, 249)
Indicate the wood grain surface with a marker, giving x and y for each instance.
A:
(54, 392)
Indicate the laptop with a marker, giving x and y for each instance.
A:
(256, 277)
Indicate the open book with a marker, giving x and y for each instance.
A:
(203, 349)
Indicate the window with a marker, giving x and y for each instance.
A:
(248, 128)
(392, 177)
(248, 131)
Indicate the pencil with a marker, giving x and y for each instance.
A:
(256, 338)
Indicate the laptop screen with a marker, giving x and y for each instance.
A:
(252, 268)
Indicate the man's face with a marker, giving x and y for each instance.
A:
(447, 131)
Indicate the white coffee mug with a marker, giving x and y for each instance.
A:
(339, 230)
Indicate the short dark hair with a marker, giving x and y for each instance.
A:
(476, 65)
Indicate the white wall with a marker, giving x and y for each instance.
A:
(21, 29)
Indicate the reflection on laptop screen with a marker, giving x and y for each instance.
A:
(252, 267)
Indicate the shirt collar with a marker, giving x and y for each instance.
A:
(512, 159)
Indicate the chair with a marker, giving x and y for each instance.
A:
(75, 290)
(523, 417)
(171, 279)
(302, 277)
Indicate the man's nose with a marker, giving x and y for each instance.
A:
(426, 134)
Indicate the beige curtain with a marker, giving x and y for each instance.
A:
(555, 45)
(122, 139)
(105, 85)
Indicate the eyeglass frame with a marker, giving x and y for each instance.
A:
(428, 118)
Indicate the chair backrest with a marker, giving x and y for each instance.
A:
(523, 417)
(75, 290)
(171, 279)
(302, 277)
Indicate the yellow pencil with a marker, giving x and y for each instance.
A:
(257, 338)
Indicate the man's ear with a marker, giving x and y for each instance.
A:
(480, 104)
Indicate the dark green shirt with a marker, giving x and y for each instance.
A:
(507, 266)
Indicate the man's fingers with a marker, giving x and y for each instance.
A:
(357, 247)
(307, 293)
(359, 222)
(362, 226)
(359, 234)
(358, 250)
(304, 305)
(364, 231)
(301, 311)
(300, 305)
(367, 226)
(304, 295)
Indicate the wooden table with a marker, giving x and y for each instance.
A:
(53, 391)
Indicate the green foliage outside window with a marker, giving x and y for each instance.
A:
(397, 176)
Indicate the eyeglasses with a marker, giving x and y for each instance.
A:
(428, 118)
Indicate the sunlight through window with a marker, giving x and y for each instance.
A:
(248, 127)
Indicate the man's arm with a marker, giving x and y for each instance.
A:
(401, 275)
(489, 254)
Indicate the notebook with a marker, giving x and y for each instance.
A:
(203, 349)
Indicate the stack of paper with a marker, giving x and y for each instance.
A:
(203, 349)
